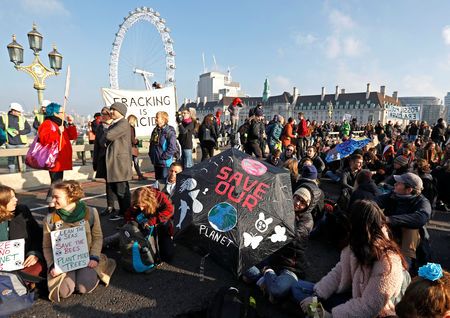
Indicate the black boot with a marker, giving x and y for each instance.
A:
(108, 211)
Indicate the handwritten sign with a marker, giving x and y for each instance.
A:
(70, 249)
(12, 255)
(404, 112)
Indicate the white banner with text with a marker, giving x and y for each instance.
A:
(404, 112)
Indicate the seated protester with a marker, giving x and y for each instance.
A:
(407, 212)
(400, 167)
(168, 185)
(429, 184)
(274, 158)
(368, 279)
(308, 180)
(292, 166)
(288, 153)
(69, 212)
(348, 178)
(428, 295)
(158, 210)
(17, 222)
(311, 153)
(289, 263)
(442, 176)
(365, 187)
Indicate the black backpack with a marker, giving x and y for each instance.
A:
(139, 252)
(231, 302)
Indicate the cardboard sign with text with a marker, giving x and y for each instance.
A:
(70, 249)
(12, 255)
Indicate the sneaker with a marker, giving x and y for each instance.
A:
(107, 211)
(115, 217)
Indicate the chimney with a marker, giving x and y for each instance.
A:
(322, 97)
(383, 90)
(368, 91)
(395, 96)
(220, 96)
(185, 101)
(198, 100)
(343, 91)
(336, 95)
(295, 96)
(205, 99)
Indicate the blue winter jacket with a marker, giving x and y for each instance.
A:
(163, 146)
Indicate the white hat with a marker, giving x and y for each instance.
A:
(45, 103)
(16, 107)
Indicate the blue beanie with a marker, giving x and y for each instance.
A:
(52, 108)
(309, 172)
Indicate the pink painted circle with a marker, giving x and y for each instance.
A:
(253, 167)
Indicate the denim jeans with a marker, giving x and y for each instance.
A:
(279, 286)
(187, 158)
(333, 176)
(301, 290)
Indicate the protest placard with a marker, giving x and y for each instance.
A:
(404, 112)
(12, 255)
(144, 105)
(70, 249)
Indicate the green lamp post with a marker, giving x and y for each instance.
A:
(38, 71)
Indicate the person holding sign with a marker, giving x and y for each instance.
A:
(16, 222)
(73, 238)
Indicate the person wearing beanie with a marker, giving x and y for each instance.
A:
(308, 181)
(400, 166)
(49, 132)
(287, 265)
(309, 172)
(407, 212)
(16, 128)
(117, 137)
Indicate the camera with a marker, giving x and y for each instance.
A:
(179, 117)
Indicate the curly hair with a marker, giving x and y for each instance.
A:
(145, 197)
(425, 298)
(6, 193)
(367, 238)
(72, 189)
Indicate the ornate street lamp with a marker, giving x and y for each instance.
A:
(330, 110)
(38, 71)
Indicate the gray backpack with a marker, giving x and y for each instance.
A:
(14, 294)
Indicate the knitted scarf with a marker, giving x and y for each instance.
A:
(73, 216)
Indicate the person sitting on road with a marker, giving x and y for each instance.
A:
(401, 166)
(292, 166)
(365, 187)
(70, 212)
(368, 279)
(308, 179)
(428, 295)
(156, 208)
(168, 185)
(407, 212)
(284, 267)
(274, 158)
(288, 153)
(311, 153)
(17, 222)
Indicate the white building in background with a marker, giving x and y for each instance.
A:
(212, 86)
(447, 107)
(368, 106)
(431, 107)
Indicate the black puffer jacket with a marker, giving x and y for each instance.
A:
(292, 256)
(365, 191)
(317, 195)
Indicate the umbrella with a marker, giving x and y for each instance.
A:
(236, 208)
(346, 148)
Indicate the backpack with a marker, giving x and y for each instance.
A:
(2, 137)
(14, 294)
(139, 252)
(231, 302)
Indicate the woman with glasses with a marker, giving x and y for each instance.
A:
(56, 129)
(288, 153)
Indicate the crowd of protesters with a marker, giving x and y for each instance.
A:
(387, 193)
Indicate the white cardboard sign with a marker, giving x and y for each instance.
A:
(12, 255)
(70, 249)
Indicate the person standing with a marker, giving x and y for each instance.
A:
(302, 130)
(50, 131)
(16, 128)
(40, 115)
(134, 147)
(186, 128)
(207, 134)
(117, 139)
(99, 160)
(163, 145)
(234, 109)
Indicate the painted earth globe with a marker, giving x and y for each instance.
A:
(223, 217)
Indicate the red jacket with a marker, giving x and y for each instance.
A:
(163, 213)
(49, 132)
(302, 128)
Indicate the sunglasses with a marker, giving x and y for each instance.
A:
(289, 149)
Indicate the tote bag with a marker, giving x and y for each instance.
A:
(40, 156)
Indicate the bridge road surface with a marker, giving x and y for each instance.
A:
(182, 285)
